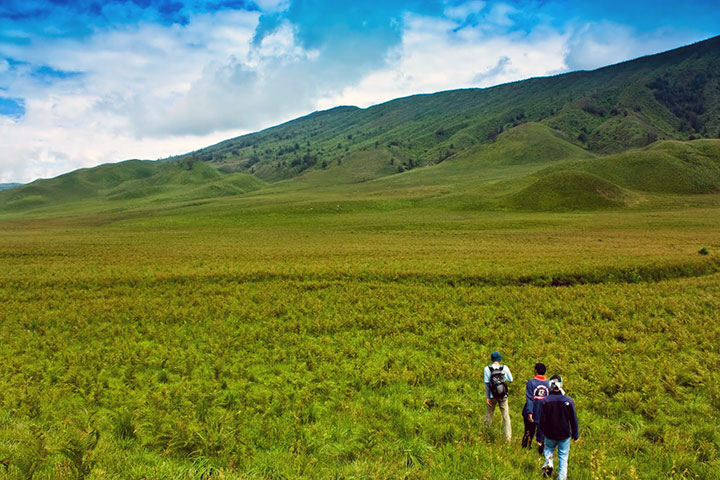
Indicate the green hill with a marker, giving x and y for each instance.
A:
(646, 125)
(570, 190)
(127, 183)
(663, 167)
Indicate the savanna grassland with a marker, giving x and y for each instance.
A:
(349, 342)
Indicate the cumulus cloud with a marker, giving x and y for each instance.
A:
(597, 44)
(435, 55)
(498, 69)
(95, 117)
(275, 79)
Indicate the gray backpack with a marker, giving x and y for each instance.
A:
(498, 385)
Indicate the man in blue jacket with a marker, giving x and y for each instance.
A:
(536, 389)
(557, 419)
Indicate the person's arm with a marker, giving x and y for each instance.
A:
(529, 399)
(508, 375)
(486, 379)
(573, 421)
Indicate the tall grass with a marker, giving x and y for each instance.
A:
(352, 346)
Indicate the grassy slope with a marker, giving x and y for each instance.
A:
(125, 185)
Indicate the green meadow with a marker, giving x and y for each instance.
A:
(241, 340)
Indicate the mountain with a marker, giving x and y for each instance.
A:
(609, 138)
(673, 95)
(8, 186)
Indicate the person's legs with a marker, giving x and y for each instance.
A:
(548, 453)
(528, 439)
(505, 411)
(563, 455)
(489, 410)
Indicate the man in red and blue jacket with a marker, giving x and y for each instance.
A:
(536, 389)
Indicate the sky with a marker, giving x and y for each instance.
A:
(86, 82)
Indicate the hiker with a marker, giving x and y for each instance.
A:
(496, 377)
(557, 420)
(536, 389)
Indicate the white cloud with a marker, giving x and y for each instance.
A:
(500, 14)
(270, 83)
(434, 56)
(461, 12)
(96, 118)
(595, 45)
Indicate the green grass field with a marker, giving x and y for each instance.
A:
(231, 340)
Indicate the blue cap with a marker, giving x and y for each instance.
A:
(495, 356)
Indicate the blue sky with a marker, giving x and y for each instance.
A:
(84, 82)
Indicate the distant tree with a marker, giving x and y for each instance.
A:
(324, 165)
(594, 110)
(694, 121)
(493, 134)
(252, 161)
(582, 137)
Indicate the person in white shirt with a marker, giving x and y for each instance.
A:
(496, 378)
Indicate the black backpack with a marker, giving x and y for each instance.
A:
(498, 385)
